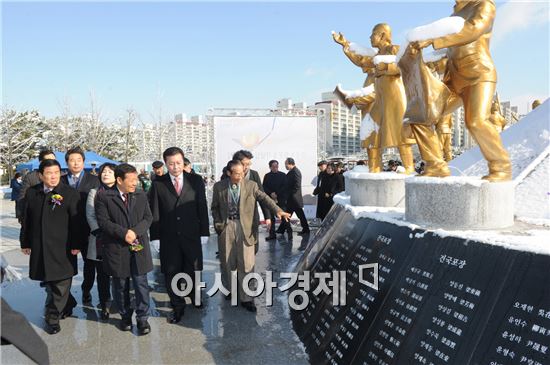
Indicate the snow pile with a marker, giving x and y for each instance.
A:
(533, 195)
(387, 58)
(439, 28)
(451, 180)
(374, 175)
(433, 56)
(367, 127)
(357, 93)
(362, 50)
(529, 240)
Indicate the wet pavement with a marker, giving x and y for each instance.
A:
(217, 333)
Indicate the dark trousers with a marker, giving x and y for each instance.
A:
(180, 262)
(58, 293)
(177, 302)
(103, 283)
(295, 208)
(121, 294)
(88, 272)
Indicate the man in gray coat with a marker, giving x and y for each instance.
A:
(233, 207)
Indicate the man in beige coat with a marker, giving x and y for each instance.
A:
(233, 205)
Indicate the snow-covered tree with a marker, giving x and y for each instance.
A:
(21, 135)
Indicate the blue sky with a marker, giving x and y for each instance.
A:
(249, 54)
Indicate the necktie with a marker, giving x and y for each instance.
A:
(126, 202)
(177, 185)
(75, 181)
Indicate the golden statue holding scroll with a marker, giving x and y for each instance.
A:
(387, 106)
(471, 75)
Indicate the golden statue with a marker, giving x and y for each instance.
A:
(387, 106)
(535, 104)
(444, 126)
(471, 75)
(496, 118)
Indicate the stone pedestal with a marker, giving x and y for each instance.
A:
(459, 203)
(384, 189)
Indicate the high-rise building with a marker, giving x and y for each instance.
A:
(193, 135)
(341, 126)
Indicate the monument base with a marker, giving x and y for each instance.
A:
(384, 189)
(459, 203)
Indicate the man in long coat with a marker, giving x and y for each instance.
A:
(50, 235)
(180, 219)
(124, 218)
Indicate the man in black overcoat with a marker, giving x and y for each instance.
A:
(51, 236)
(124, 217)
(294, 201)
(274, 185)
(180, 219)
(83, 182)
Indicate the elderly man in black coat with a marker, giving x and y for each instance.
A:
(50, 234)
(124, 218)
(180, 219)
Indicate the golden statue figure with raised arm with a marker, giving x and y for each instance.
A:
(389, 105)
(471, 75)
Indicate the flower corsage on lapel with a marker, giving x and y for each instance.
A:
(57, 200)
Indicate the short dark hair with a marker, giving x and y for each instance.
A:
(242, 154)
(73, 151)
(172, 151)
(123, 169)
(232, 164)
(272, 162)
(323, 162)
(109, 165)
(43, 154)
(48, 163)
(157, 164)
(186, 161)
(290, 161)
(17, 174)
(360, 163)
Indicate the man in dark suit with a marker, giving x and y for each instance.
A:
(294, 201)
(180, 219)
(124, 218)
(32, 178)
(322, 165)
(83, 182)
(274, 186)
(51, 236)
(246, 159)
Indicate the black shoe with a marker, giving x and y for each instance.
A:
(86, 298)
(68, 311)
(249, 306)
(52, 329)
(176, 316)
(143, 327)
(271, 237)
(126, 324)
(104, 313)
(304, 232)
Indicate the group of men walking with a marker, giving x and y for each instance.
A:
(110, 222)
